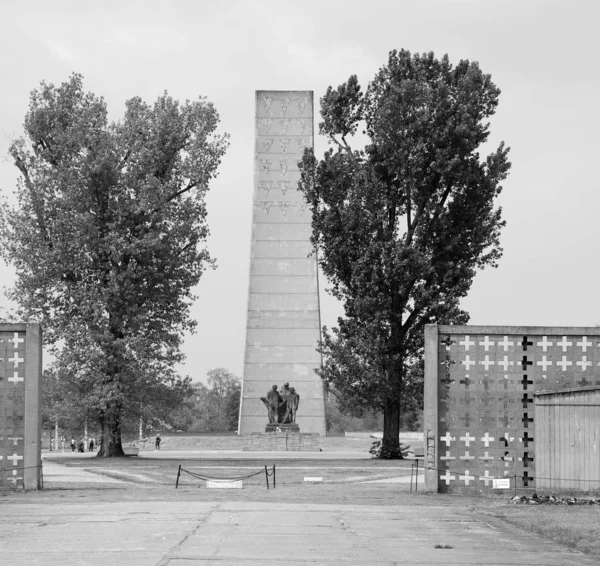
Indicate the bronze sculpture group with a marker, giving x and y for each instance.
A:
(282, 406)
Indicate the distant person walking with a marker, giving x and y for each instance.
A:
(51, 445)
(92, 445)
(157, 442)
(62, 443)
(72, 445)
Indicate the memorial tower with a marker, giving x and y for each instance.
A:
(283, 319)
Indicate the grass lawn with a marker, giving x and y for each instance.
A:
(160, 471)
(577, 527)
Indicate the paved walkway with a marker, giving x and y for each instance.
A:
(262, 534)
(71, 527)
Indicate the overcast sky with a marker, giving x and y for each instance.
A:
(542, 54)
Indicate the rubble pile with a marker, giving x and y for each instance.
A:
(553, 500)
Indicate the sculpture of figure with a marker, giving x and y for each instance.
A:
(273, 402)
(283, 405)
(292, 405)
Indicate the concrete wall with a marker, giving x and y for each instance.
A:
(20, 405)
(283, 324)
(480, 382)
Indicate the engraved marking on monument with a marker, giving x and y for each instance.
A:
(284, 124)
(266, 165)
(301, 102)
(283, 206)
(285, 102)
(266, 125)
(266, 186)
(266, 100)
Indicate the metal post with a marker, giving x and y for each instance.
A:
(417, 476)
(515, 485)
(178, 474)
(412, 468)
(267, 477)
(273, 476)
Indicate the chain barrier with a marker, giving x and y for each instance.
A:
(206, 477)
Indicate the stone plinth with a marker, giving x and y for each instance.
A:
(283, 320)
(278, 427)
(281, 442)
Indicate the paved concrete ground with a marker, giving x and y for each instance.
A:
(72, 526)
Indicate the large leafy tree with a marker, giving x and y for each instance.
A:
(402, 224)
(108, 240)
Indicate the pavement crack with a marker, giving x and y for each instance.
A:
(170, 553)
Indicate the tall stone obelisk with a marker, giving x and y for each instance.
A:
(283, 325)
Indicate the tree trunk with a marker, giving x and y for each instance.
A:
(110, 440)
(390, 445)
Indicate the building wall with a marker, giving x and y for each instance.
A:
(283, 321)
(568, 439)
(20, 405)
(479, 398)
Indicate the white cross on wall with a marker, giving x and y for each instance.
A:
(544, 363)
(584, 343)
(564, 344)
(447, 477)
(486, 438)
(486, 456)
(487, 478)
(15, 378)
(467, 478)
(545, 344)
(468, 362)
(487, 362)
(447, 456)
(509, 438)
(467, 439)
(15, 439)
(467, 456)
(584, 363)
(16, 360)
(564, 363)
(506, 343)
(447, 439)
(466, 343)
(505, 363)
(15, 458)
(16, 340)
(486, 343)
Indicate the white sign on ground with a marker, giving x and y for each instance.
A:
(313, 479)
(501, 483)
(218, 484)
